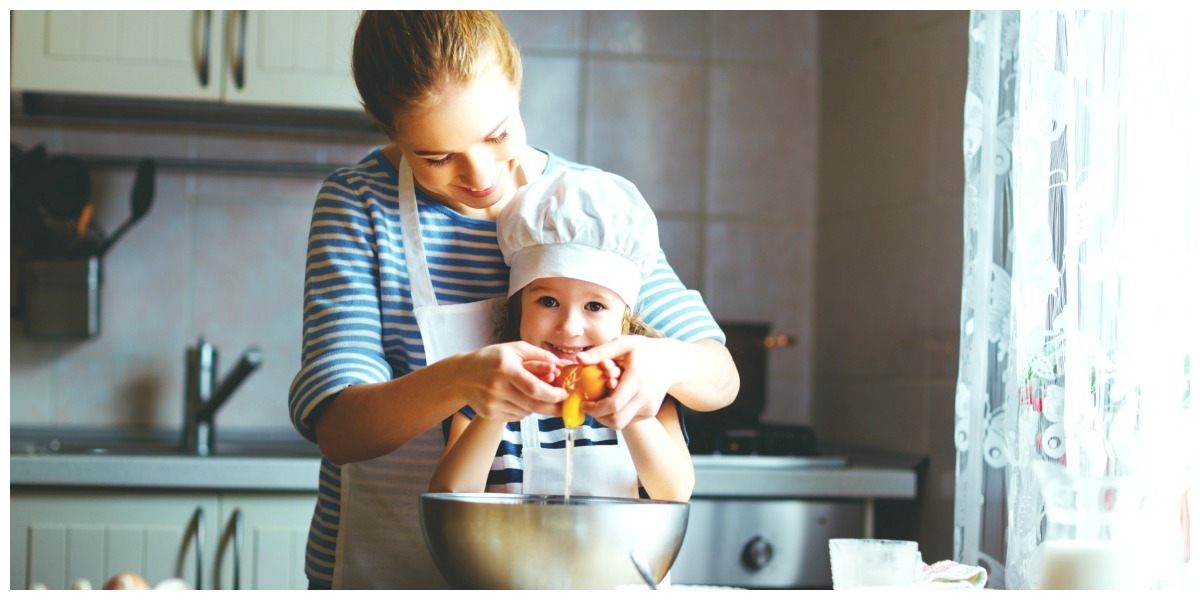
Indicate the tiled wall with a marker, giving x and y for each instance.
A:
(712, 114)
(890, 242)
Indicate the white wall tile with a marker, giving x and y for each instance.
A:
(545, 30)
(32, 395)
(756, 271)
(647, 33)
(248, 286)
(680, 240)
(764, 35)
(645, 122)
(550, 104)
(111, 390)
(762, 137)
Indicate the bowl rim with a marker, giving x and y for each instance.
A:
(506, 499)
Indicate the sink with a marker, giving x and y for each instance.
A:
(84, 441)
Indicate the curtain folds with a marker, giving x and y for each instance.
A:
(1080, 326)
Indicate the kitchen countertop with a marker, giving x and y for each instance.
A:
(772, 477)
(281, 461)
(262, 460)
(166, 472)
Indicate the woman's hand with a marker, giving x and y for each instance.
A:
(503, 382)
(643, 371)
(701, 375)
(506, 382)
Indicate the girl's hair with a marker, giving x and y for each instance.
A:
(508, 327)
(403, 59)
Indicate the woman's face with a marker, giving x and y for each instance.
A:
(465, 148)
(567, 316)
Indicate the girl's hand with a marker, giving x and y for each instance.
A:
(506, 382)
(643, 369)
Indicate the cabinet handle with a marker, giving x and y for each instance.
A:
(198, 520)
(239, 63)
(238, 526)
(204, 49)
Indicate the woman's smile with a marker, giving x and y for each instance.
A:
(465, 150)
(481, 193)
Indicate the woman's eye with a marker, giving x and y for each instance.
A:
(500, 137)
(594, 306)
(437, 162)
(547, 301)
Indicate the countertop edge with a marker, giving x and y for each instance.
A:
(166, 472)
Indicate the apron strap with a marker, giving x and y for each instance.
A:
(414, 247)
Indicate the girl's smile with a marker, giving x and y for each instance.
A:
(567, 316)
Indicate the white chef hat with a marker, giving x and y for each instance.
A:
(589, 225)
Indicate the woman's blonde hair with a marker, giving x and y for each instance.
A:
(403, 59)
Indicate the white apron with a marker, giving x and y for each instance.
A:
(598, 470)
(380, 544)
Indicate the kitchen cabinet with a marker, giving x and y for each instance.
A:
(283, 58)
(256, 538)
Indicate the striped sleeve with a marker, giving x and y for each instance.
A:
(342, 343)
(668, 306)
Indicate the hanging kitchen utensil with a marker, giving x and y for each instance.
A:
(63, 187)
(143, 194)
(29, 232)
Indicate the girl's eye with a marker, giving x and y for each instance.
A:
(593, 306)
(437, 162)
(547, 301)
(500, 137)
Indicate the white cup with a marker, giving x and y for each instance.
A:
(858, 563)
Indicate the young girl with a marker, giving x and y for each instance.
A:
(579, 244)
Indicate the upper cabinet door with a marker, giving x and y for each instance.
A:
(291, 58)
(297, 59)
(147, 54)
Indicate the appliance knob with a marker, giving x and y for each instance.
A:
(757, 553)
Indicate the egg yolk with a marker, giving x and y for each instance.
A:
(582, 382)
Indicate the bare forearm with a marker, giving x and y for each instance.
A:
(706, 377)
(663, 463)
(465, 465)
(369, 420)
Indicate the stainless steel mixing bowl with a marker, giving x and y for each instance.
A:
(529, 542)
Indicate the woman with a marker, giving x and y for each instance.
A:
(403, 276)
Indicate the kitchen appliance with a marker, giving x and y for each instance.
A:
(542, 542)
(737, 428)
(742, 537)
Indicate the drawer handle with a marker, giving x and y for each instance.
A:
(757, 553)
(198, 521)
(239, 65)
(204, 49)
(238, 525)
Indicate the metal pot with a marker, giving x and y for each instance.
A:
(748, 342)
(516, 541)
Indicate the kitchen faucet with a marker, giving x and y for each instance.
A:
(204, 395)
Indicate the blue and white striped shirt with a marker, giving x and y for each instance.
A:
(358, 318)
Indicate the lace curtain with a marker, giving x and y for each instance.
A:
(1081, 271)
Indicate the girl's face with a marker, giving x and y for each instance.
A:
(567, 316)
(465, 148)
